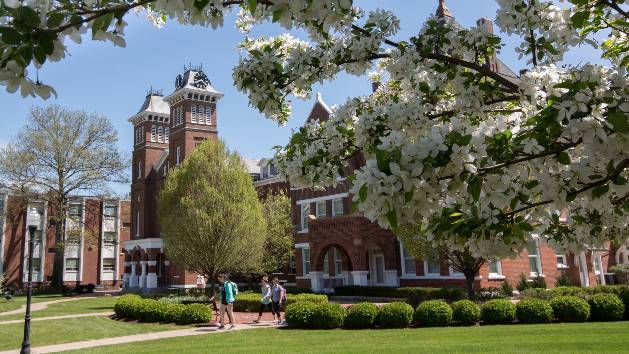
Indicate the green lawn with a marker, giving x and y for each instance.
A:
(606, 337)
(89, 305)
(74, 329)
(18, 301)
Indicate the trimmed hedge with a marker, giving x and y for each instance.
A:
(465, 312)
(581, 292)
(250, 301)
(136, 308)
(570, 309)
(498, 312)
(413, 295)
(534, 311)
(433, 313)
(395, 315)
(606, 307)
(299, 314)
(361, 316)
(328, 316)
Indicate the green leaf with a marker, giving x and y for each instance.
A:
(525, 226)
(10, 36)
(600, 190)
(55, 19)
(362, 193)
(563, 158)
(531, 184)
(408, 196)
(474, 186)
(570, 197)
(580, 18)
(619, 121)
(392, 218)
(200, 4)
(40, 54)
(28, 16)
(253, 4)
(277, 14)
(382, 157)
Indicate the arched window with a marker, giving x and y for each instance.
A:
(201, 115)
(160, 134)
(193, 113)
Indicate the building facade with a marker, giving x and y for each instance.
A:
(95, 230)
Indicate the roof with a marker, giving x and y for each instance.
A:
(251, 164)
(153, 104)
(195, 80)
(320, 110)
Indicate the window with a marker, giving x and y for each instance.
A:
(36, 264)
(272, 170)
(38, 236)
(432, 266)
(305, 254)
(109, 264)
(73, 239)
(326, 263)
(337, 207)
(409, 262)
(160, 134)
(37, 208)
(292, 266)
(74, 210)
(305, 211)
(208, 115)
(139, 169)
(561, 261)
(137, 224)
(321, 212)
(166, 134)
(338, 262)
(72, 264)
(178, 157)
(532, 247)
(598, 265)
(201, 115)
(110, 211)
(153, 131)
(109, 238)
(495, 267)
(193, 113)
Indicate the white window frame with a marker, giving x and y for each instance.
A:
(538, 259)
(305, 261)
(564, 261)
(498, 274)
(137, 224)
(338, 262)
(201, 115)
(153, 133)
(193, 113)
(334, 211)
(325, 208)
(208, 115)
(113, 265)
(166, 134)
(426, 269)
(305, 208)
(178, 155)
(597, 262)
(65, 265)
(160, 134)
(404, 256)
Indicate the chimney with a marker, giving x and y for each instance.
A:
(375, 85)
(486, 24)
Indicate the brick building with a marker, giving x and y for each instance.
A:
(95, 229)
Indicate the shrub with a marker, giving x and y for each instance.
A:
(413, 295)
(624, 296)
(395, 315)
(173, 313)
(563, 280)
(606, 307)
(534, 311)
(523, 283)
(539, 282)
(433, 313)
(506, 288)
(533, 293)
(498, 311)
(250, 301)
(621, 272)
(125, 305)
(486, 294)
(299, 314)
(466, 312)
(315, 298)
(570, 309)
(195, 313)
(328, 316)
(144, 309)
(362, 315)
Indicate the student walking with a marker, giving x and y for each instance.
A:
(278, 296)
(265, 300)
(228, 293)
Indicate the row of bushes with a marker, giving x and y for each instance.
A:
(433, 313)
(134, 307)
(622, 291)
(250, 301)
(414, 295)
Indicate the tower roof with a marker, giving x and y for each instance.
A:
(195, 82)
(154, 104)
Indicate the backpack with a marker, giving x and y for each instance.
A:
(283, 296)
(234, 288)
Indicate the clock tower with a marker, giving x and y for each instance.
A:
(192, 113)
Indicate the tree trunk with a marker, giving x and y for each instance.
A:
(469, 283)
(60, 223)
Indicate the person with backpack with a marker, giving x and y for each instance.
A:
(229, 291)
(278, 297)
(265, 300)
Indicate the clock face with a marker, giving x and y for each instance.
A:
(200, 80)
(178, 82)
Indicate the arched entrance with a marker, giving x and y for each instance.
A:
(334, 266)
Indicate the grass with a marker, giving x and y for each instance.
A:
(18, 301)
(74, 329)
(601, 337)
(77, 306)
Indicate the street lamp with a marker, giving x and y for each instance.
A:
(26, 342)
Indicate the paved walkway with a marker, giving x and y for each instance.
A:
(139, 338)
(37, 306)
(58, 317)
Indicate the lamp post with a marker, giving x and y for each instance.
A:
(26, 342)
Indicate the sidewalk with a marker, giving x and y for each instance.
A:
(140, 337)
(37, 306)
(57, 317)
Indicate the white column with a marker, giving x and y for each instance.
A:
(151, 278)
(391, 278)
(143, 274)
(316, 281)
(360, 277)
(133, 277)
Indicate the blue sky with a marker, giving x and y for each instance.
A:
(98, 77)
